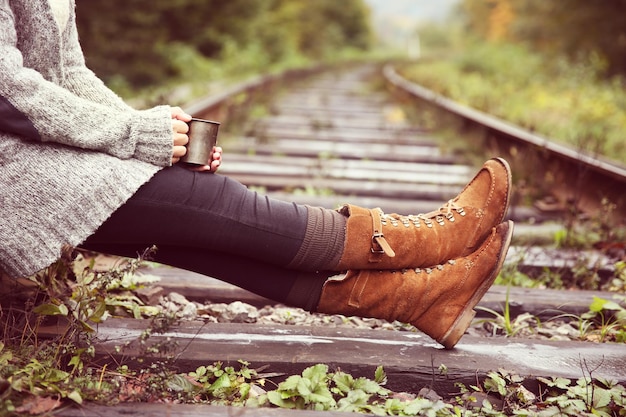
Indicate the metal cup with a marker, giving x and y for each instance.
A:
(202, 138)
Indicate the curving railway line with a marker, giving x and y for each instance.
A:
(329, 136)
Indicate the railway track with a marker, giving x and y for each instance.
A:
(330, 139)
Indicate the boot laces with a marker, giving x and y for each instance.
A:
(429, 270)
(445, 212)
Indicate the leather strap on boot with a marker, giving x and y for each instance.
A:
(380, 246)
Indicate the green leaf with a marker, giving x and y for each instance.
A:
(99, 313)
(276, 398)
(244, 390)
(558, 382)
(367, 385)
(323, 397)
(316, 372)
(51, 310)
(200, 372)
(601, 397)
(418, 405)
(221, 382)
(86, 327)
(76, 361)
(56, 375)
(75, 396)
(343, 381)
(304, 387)
(380, 376)
(290, 383)
(495, 383)
(598, 304)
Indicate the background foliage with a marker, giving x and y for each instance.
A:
(145, 42)
(554, 68)
(580, 29)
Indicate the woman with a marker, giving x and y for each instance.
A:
(79, 167)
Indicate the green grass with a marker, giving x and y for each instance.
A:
(565, 101)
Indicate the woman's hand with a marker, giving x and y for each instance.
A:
(216, 160)
(214, 163)
(180, 128)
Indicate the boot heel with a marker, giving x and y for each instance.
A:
(454, 334)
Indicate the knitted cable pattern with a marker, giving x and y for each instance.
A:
(71, 151)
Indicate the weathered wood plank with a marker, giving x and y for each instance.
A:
(361, 170)
(389, 137)
(289, 147)
(364, 123)
(452, 172)
(346, 187)
(411, 360)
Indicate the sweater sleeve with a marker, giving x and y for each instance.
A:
(80, 116)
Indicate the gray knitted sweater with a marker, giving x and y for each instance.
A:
(71, 151)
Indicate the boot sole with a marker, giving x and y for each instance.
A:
(507, 202)
(464, 319)
(509, 181)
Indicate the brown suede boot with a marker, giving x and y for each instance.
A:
(375, 240)
(438, 301)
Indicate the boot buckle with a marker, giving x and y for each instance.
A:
(375, 243)
(378, 240)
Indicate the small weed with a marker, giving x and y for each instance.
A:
(41, 372)
(609, 318)
(505, 323)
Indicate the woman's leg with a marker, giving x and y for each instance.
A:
(288, 286)
(211, 213)
(182, 208)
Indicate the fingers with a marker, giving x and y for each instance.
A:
(178, 126)
(179, 114)
(216, 158)
(179, 139)
(214, 163)
(179, 132)
(177, 153)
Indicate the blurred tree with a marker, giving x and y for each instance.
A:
(321, 27)
(578, 28)
(130, 39)
(124, 43)
(500, 20)
(209, 24)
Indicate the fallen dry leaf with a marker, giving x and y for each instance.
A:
(39, 405)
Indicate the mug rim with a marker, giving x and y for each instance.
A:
(196, 119)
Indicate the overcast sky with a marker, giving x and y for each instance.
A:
(396, 19)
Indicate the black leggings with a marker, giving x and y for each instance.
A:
(213, 225)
